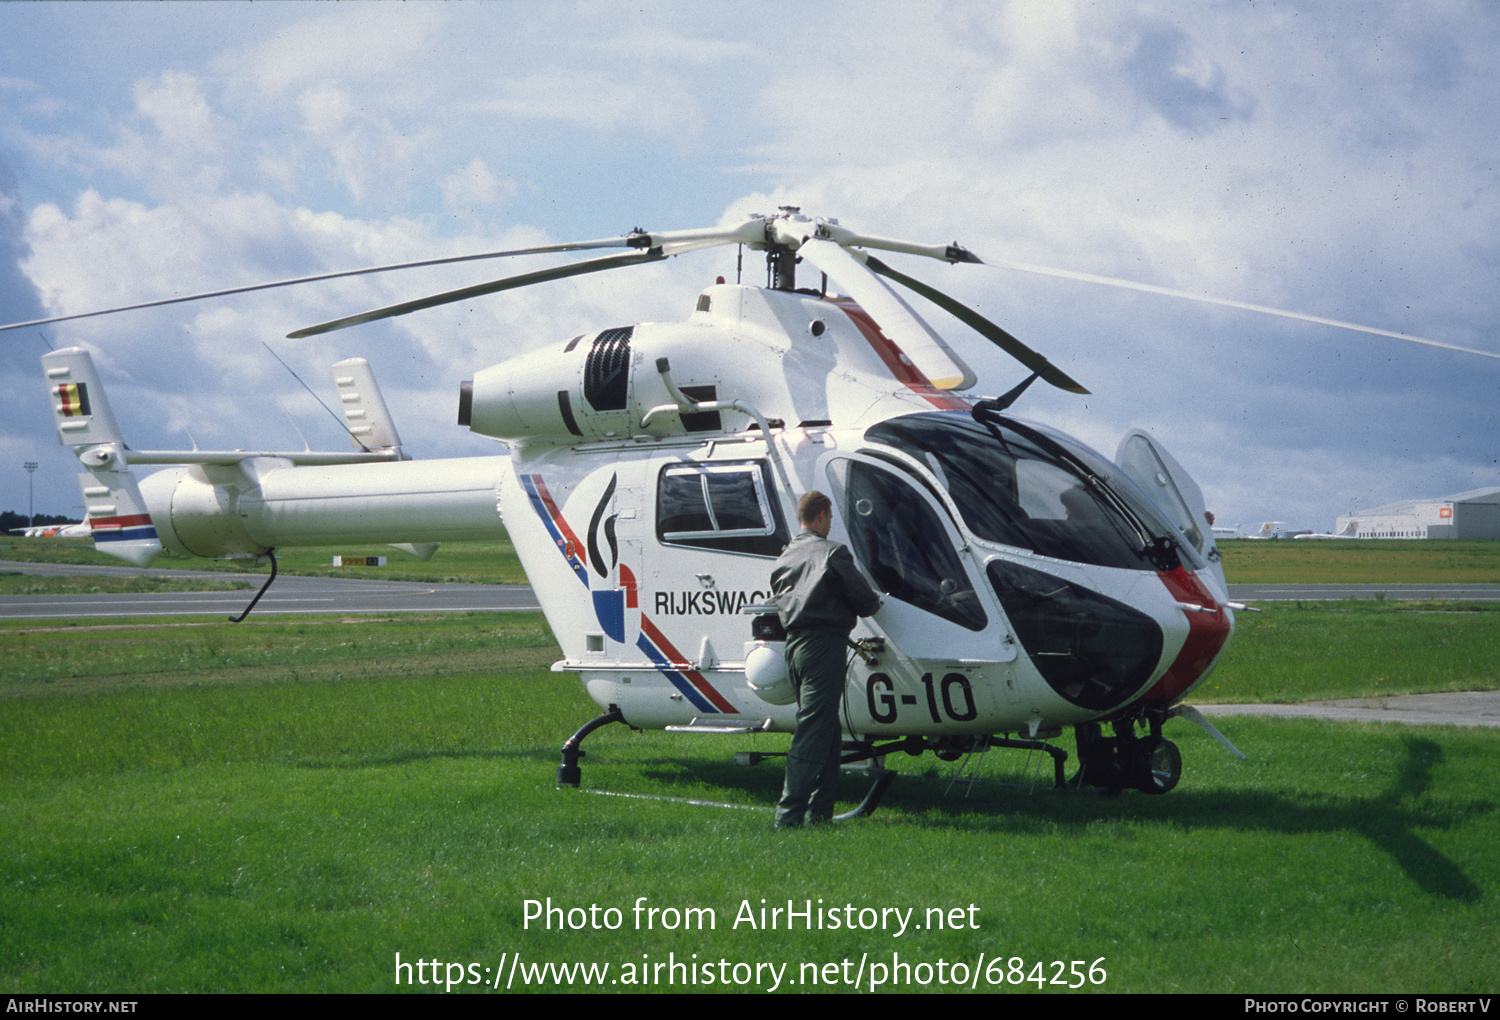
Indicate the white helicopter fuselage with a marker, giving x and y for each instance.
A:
(649, 482)
(646, 545)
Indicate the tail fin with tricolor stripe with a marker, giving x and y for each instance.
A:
(117, 514)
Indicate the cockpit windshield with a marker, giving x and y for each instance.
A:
(1025, 486)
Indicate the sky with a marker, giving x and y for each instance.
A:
(1336, 159)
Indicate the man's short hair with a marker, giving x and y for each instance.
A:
(811, 506)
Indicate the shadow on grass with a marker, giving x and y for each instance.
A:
(1388, 819)
(754, 784)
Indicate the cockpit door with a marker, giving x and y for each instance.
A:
(1147, 463)
(936, 606)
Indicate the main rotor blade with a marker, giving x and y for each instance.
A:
(984, 327)
(509, 283)
(627, 241)
(1150, 288)
(928, 351)
(849, 239)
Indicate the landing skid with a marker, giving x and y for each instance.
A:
(946, 748)
(569, 773)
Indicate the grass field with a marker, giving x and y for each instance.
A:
(288, 805)
(1349, 562)
(294, 805)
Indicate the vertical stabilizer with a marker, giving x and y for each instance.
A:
(121, 525)
(365, 415)
(79, 407)
(117, 514)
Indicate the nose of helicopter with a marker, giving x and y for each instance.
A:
(1094, 650)
(1097, 651)
(1209, 627)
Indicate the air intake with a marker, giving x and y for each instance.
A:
(606, 373)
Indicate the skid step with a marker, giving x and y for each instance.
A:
(699, 726)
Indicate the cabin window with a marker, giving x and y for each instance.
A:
(1017, 489)
(728, 507)
(902, 542)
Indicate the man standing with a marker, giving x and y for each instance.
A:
(819, 594)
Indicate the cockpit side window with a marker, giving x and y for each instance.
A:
(1017, 491)
(900, 539)
(729, 507)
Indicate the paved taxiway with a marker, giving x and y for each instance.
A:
(290, 594)
(1330, 592)
(1467, 708)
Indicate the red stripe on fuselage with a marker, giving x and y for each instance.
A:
(896, 360)
(557, 519)
(123, 521)
(1207, 633)
(627, 581)
(681, 665)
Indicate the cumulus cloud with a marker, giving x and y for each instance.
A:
(1294, 156)
(475, 185)
(18, 296)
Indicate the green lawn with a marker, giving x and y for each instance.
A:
(288, 806)
(1310, 651)
(1365, 562)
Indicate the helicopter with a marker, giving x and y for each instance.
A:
(649, 479)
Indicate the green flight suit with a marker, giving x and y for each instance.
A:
(819, 594)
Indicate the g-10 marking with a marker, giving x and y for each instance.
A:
(883, 705)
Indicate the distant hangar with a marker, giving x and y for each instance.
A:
(1473, 514)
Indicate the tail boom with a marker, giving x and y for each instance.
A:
(267, 503)
(240, 505)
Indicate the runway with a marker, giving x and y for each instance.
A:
(293, 594)
(289, 595)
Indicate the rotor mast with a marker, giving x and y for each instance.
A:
(781, 264)
(781, 247)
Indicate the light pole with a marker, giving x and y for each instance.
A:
(31, 467)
